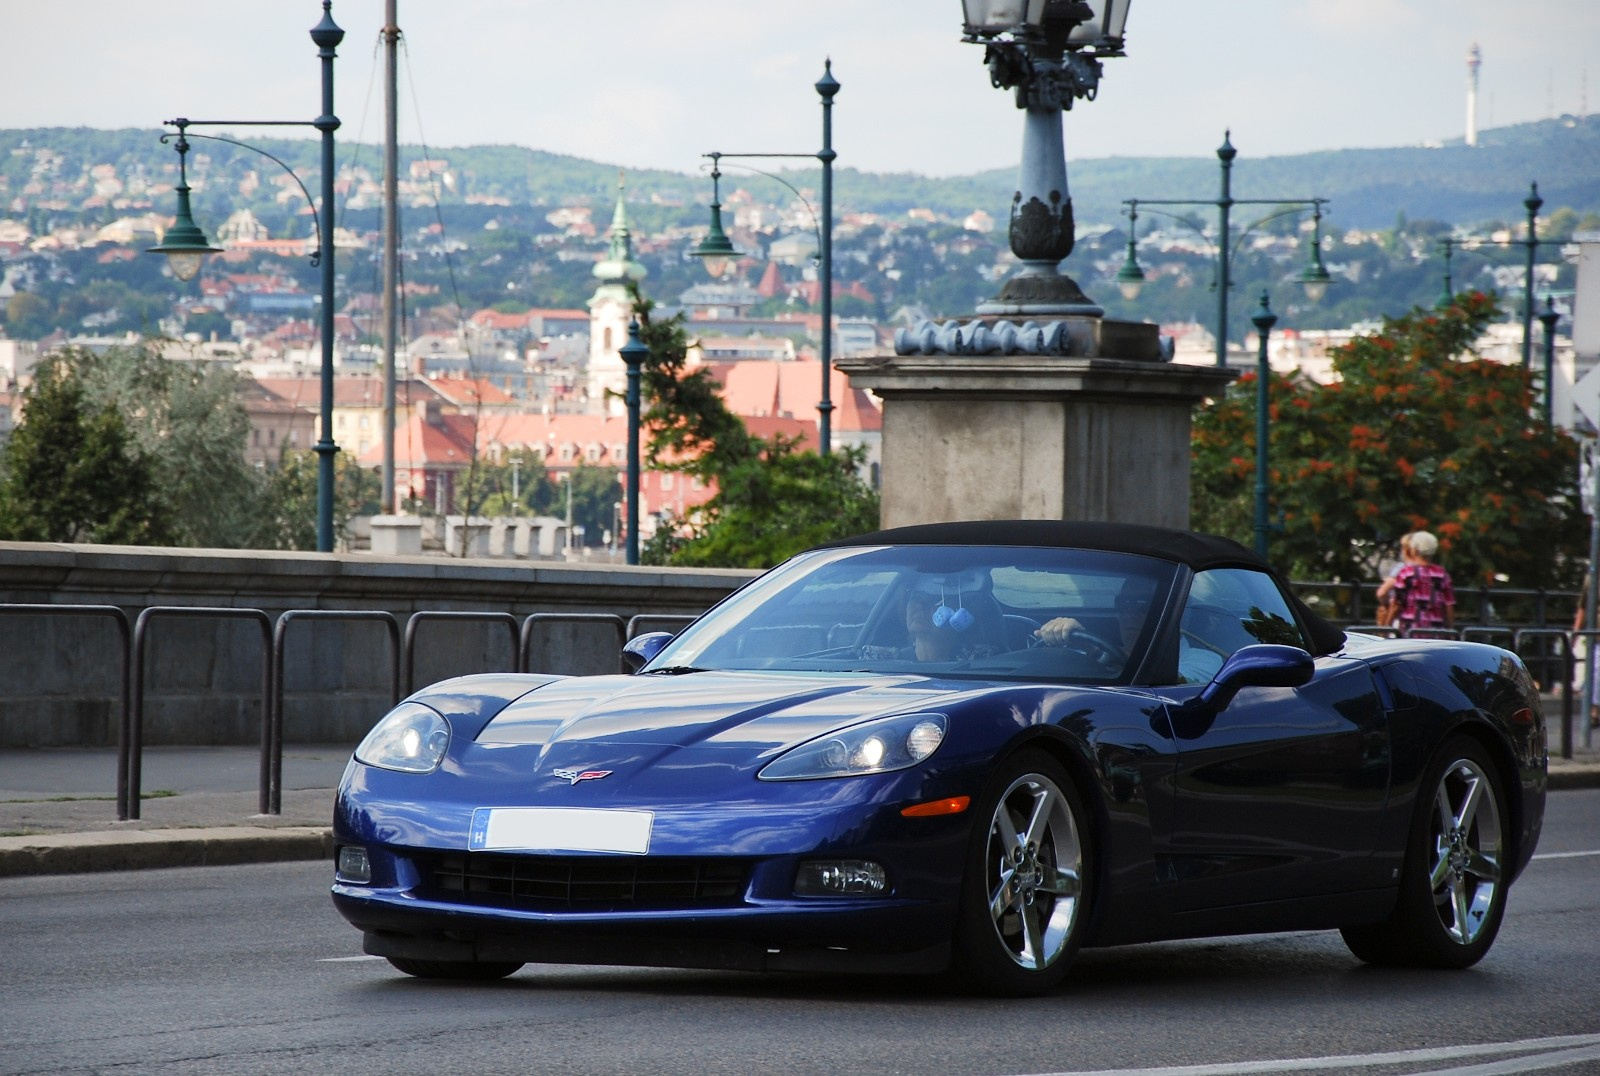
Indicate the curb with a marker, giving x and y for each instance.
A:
(221, 846)
(1563, 779)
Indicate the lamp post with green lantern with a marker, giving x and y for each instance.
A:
(1263, 320)
(1315, 277)
(717, 251)
(634, 353)
(185, 244)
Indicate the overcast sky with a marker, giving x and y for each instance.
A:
(656, 83)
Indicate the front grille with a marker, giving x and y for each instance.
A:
(590, 883)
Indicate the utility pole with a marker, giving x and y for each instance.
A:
(391, 243)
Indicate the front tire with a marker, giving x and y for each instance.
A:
(1453, 882)
(460, 970)
(1025, 891)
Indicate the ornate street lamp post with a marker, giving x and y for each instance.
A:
(633, 353)
(1264, 320)
(1548, 318)
(185, 244)
(1315, 277)
(718, 251)
(1531, 243)
(1532, 203)
(1049, 53)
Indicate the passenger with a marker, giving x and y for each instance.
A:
(945, 625)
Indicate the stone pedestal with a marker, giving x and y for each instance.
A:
(466, 537)
(397, 536)
(1029, 436)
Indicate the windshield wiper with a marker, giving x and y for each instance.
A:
(676, 670)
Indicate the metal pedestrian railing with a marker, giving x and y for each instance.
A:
(125, 688)
(537, 620)
(272, 735)
(134, 641)
(482, 617)
(130, 748)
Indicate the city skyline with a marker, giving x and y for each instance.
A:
(653, 85)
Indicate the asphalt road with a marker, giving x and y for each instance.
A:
(249, 970)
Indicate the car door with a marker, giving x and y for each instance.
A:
(1279, 797)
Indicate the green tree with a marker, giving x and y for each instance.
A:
(596, 493)
(188, 420)
(287, 518)
(1416, 432)
(772, 499)
(73, 473)
(29, 316)
(518, 484)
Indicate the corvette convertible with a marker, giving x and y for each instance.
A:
(969, 749)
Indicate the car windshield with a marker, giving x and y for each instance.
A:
(963, 611)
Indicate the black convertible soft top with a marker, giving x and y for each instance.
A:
(1197, 551)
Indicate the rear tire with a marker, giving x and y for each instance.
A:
(1025, 889)
(460, 970)
(1453, 881)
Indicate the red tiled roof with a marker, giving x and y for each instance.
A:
(500, 322)
(421, 445)
(792, 389)
(465, 391)
(347, 391)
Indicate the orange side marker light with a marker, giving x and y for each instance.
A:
(934, 808)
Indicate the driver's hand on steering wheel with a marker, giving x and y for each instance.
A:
(1055, 632)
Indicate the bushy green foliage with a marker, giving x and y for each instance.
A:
(186, 419)
(73, 473)
(772, 498)
(287, 511)
(1416, 433)
(128, 448)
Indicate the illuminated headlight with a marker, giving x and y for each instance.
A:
(891, 743)
(411, 738)
(840, 878)
(353, 865)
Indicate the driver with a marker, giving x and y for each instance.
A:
(1132, 607)
(1197, 664)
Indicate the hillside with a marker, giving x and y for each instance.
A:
(1369, 188)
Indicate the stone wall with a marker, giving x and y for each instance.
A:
(60, 676)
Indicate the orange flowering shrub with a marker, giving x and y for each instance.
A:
(1418, 432)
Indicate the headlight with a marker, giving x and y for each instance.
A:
(411, 738)
(892, 743)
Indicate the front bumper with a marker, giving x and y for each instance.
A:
(430, 898)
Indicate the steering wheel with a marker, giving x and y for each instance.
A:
(1097, 647)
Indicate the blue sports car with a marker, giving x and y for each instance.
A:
(969, 748)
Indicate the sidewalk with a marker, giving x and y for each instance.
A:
(58, 807)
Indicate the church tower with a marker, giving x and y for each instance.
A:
(610, 310)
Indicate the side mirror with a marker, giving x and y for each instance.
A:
(1261, 665)
(640, 650)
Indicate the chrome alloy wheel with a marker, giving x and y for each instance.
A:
(1034, 863)
(1468, 850)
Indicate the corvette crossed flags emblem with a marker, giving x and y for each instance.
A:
(572, 777)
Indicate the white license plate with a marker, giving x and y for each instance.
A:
(560, 829)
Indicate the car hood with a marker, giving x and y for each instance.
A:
(749, 711)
